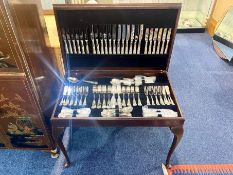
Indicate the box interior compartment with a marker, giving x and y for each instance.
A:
(73, 19)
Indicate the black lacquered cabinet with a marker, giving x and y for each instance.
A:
(26, 81)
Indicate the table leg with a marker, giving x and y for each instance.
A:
(178, 133)
(57, 137)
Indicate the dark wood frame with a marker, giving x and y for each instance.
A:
(175, 124)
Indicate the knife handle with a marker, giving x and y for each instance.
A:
(97, 46)
(131, 47)
(74, 46)
(145, 50)
(161, 52)
(66, 47)
(150, 46)
(87, 47)
(154, 47)
(102, 46)
(93, 46)
(158, 48)
(118, 47)
(165, 52)
(122, 47)
(135, 47)
(70, 46)
(114, 46)
(126, 47)
(110, 46)
(82, 47)
(139, 47)
(106, 46)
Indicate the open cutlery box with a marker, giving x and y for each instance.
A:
(114, 43)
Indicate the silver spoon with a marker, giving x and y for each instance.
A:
(75, 80)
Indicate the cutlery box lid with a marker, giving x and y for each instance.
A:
(70, 17)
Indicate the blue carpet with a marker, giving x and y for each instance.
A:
(204, 86)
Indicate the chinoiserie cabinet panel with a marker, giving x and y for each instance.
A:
(30, 24)
(27, 81)
(20, 119)
(8, 53)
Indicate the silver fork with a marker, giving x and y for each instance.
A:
(169, 95)
(68, 96)
(109, 91)
(132, 92)
(72, 96)
(65, 91)
(138, 93)
(104, 91)
(166, 101)
(99, 92)
(150, 92)
(119, 91)
(123, 94)
(160, 96)
(80, 92)
(76, 97)
(155, 94)
(85, 92)
(128, 93)
(94, 90)
(147, 93)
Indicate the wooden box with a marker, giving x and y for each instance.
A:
(94, 45)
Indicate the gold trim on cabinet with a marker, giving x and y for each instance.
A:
(12, 74)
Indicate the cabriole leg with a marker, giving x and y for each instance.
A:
(178, 133)
(57, 137)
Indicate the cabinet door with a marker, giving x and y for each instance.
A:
(20, 120)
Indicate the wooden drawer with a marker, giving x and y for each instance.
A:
(95, 118)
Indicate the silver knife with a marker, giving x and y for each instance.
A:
(159, 40)
(92, 39)
(81, 40)
(163, 40)
(150, 40)
(136, 39)
(127, 39)
(77, 41)
(140, 38)
(105, 40)
(168, 40)
(114, 38)
(146, 40)
(109, 39)
(96, 33)
(119, 39)
(131, 39)
(73, 42)
(101, 40)
(86, 41)
(69, 43)
(123, 39)
(65, 41)
(155, 39)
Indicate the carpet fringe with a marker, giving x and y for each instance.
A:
(218, 168)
